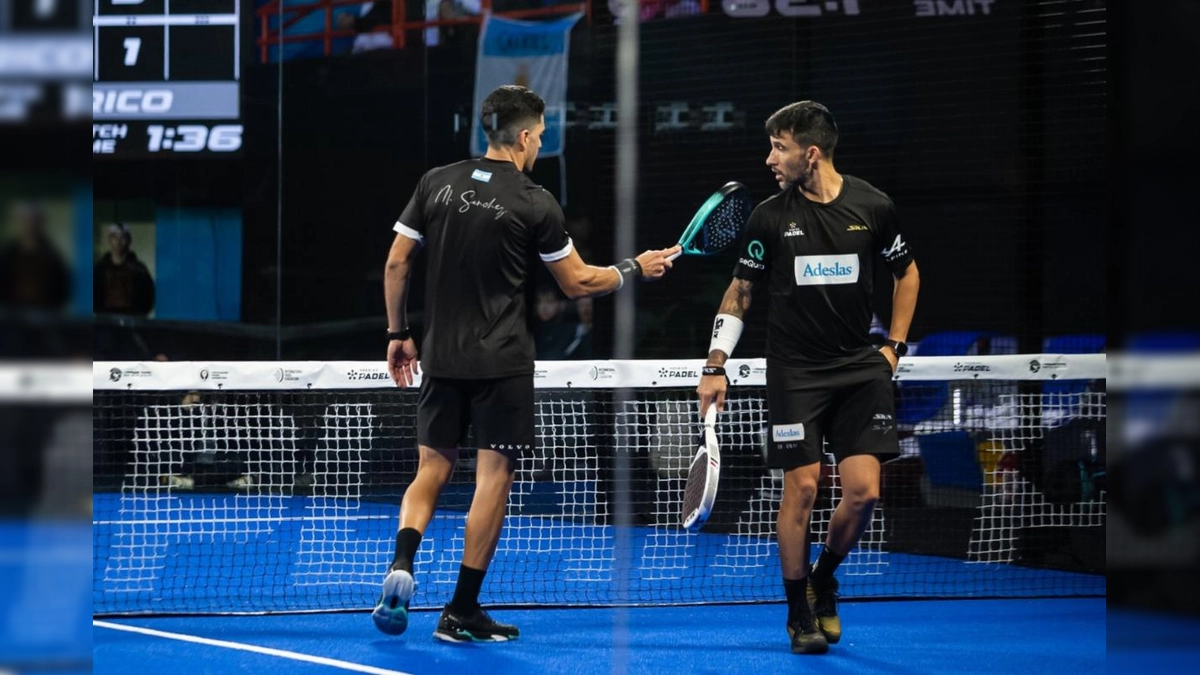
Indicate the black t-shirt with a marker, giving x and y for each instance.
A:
(818, 261)
(484, 224)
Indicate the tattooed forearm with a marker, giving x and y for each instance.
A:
(736, 302)
(737, 298)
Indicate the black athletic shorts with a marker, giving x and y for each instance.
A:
(500, 412)
(853, 407)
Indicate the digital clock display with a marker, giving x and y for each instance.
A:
(166, 77)
(137, 139)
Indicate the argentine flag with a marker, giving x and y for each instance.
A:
(529, 53)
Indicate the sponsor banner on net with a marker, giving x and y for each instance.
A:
(349, 375)
(600, 372)
(666, 373)
(292, 375)
(676, 374)
(44, 382)
(130, 375)
(749, 372)
(367, 375)
(214, 375)
(1002, 367)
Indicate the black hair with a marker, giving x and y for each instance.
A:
(507, 110)
(808, 122)
(121, 228)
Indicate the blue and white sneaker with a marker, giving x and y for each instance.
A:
(391, 614)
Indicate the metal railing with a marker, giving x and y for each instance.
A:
(399, 27)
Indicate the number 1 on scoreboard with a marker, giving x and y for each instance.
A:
(133, 46)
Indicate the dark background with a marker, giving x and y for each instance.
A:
(987, 131)
(1042, 159)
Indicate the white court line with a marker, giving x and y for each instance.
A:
(295, 656)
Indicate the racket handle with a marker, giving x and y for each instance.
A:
(675, 255)
(710, 415)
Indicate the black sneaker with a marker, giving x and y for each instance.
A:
(476, 626)
(822, 597)
(807, 638)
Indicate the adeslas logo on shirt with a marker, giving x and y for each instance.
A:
(787, 433)
(824, 270)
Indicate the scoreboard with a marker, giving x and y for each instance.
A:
(166, 78)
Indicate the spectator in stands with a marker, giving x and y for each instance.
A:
(371, 16)
(208, 443)
(121, 284)
(33, 273)
(580, 346)
(559, 333)
(552, 333)
(452, 9)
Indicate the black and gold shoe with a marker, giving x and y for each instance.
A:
(822, 597)
(806, 637)
(476, 626)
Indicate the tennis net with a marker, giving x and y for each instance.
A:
(274, 487)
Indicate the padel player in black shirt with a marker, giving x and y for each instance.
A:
(498, 223)
(815, 245)
(484, 226)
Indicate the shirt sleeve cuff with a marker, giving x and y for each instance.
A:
(560, 254)
(409, 232)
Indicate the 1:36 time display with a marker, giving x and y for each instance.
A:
(194, 138)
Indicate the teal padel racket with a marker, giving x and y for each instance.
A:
(718, 223)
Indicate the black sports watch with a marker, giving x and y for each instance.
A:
(899, 347)
(401, 335)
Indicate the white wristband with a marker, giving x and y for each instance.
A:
(727, 329)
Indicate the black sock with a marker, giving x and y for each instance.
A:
(466, 591)
(795, 590)
(408, 540)
(826, 565)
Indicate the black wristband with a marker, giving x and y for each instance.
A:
(712, 370)
(401, 335)
(627, 268)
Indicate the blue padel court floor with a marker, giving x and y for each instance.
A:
(1059, 636)
(205, 554)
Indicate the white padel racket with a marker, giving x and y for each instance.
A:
(701, 491)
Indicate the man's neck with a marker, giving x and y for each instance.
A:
(825, 185)
(119, 258)
(505, 155)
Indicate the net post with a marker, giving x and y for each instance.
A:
(625, 312)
